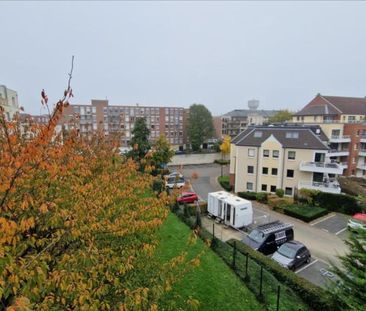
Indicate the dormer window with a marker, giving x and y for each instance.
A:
(258, 134)
(292, 134)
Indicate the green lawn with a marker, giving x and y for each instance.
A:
(213, 284)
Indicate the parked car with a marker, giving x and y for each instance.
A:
(176, 181)
(187, 197)
(268, 237)
(358, 221)
(292, 255)
(173, 174)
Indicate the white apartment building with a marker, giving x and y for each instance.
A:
(9, 101)
(266, 158)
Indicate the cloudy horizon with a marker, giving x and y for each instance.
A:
(220, 54)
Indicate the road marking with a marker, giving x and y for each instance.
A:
(307, 266)
(340, 231)
(325, 230)
(321, 220)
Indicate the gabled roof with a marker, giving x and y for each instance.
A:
(334, 105)
(305, 137)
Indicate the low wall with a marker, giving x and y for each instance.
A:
(197, 158)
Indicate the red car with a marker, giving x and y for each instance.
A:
(187, 197)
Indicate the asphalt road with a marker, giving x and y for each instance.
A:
(324, 238)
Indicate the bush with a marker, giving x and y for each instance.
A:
(280, 192)
(276, 202)
(342, 203)
(225, 182)
(307, 195)
(262, 197)
(314, 296)
(222, 162)
(192, 207)
(248, 195)
(158, 185)
(305, 212)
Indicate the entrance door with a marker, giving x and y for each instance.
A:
(320, 157)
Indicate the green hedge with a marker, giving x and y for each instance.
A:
(314, 296)
(304, 212)
(342, 203)
(225, 182)
(262, 197)
(248, 195)
(192, 207)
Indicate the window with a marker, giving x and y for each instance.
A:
(265, 170)
(251, 153)
(274, 171)
(273, 188)
(258, 134)
(290, 174)
(264, 187)
(249, 186)
(266, 153)
(250, 169)
(288, 191)
(291, 155)
(292, 134)
(275, 153)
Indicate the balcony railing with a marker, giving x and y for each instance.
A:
(341, 137)
(321, 167)
(332, 187)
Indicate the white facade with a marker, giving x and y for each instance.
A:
(9, 101)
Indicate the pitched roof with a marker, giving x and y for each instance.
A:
(334, 105)
(304, 139)
(248, 112)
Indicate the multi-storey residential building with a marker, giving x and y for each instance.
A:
(9, 101)
(119, 121)
(265, 158)
(234, 122)
(343, 121)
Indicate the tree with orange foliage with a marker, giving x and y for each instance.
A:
(77, 224)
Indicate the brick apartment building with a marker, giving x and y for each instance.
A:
(119, 120)
(343, 120)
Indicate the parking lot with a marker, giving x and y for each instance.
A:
(334, 223)
(317, 272)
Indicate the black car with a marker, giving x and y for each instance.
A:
(267, 238)
(292, 255)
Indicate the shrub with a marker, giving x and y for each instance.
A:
(307, 195)
(192, 207)
(225, 182)
(280, 192)
(277, 202)
(342, 203)
(186, 211)
(305, 212)
(158, 185)
(262, 197)
(314, 296)
(248, 195)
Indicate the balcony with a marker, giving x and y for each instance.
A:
(321, 167)
(344, 165)
(362, 153)
(331, 187)
(363, 139)
(338, 153)
(361, 166)
(340, 139)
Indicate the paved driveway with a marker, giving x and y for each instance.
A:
(323, 245)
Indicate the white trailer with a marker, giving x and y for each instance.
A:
(237, 212)
(215, 201)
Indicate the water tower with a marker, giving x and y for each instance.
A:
(253, 104)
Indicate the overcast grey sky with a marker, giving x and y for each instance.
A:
(177, 53)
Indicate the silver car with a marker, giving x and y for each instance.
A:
(292, 255)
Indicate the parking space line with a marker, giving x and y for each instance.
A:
(321, 220)
(325, 230)
(340, 231)
(307, 266)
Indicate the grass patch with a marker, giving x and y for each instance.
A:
(213, 284)
(304, 212)
(224, 181)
